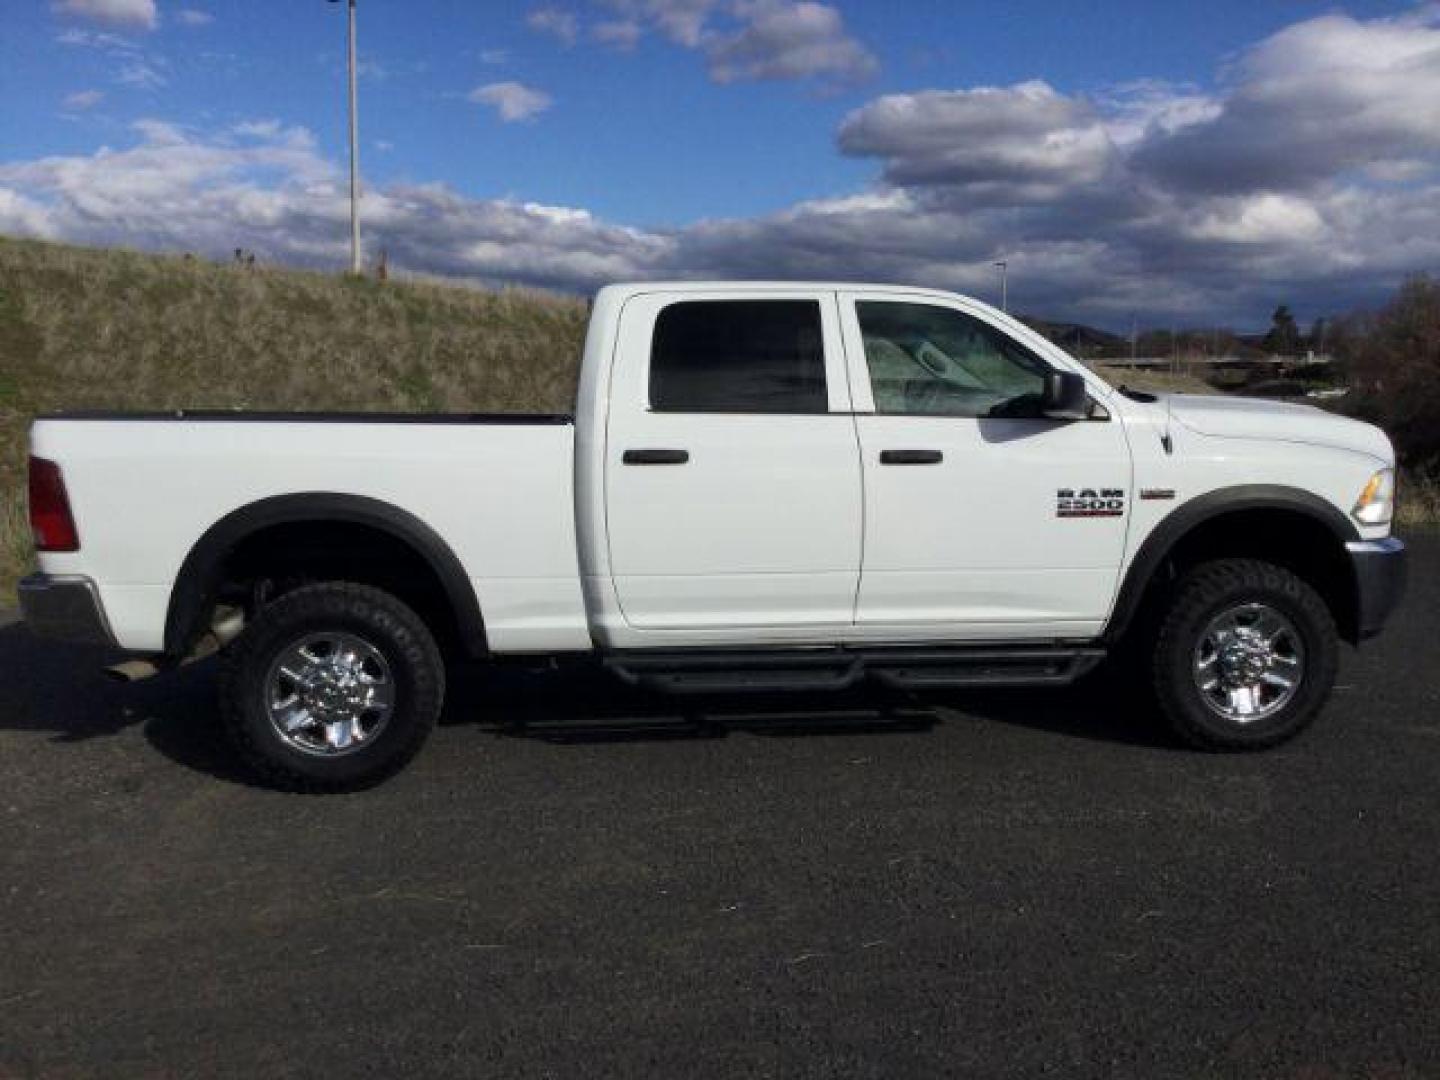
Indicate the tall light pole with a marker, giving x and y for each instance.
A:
(354, 146)
(1004, 268)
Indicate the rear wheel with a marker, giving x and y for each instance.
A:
(332, 687)
(1245, 657)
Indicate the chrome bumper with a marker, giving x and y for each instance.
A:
(67, 608)
(1380, 574)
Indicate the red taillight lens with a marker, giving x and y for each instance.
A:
(50, 519)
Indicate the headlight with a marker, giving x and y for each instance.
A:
(1376, 504)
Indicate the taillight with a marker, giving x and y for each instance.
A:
(51, 522)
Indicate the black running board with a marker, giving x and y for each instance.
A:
(947, 668)
(711, 671)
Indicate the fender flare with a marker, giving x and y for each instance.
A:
(1175, 526)
(199, 577)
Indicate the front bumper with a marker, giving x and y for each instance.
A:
(1380, 573)
(67, 608)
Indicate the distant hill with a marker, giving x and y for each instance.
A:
(1077, 338)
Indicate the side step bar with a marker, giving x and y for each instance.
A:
(709, 671)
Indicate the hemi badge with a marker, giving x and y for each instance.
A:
(1157, 493)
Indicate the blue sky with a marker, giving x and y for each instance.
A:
(561, 143)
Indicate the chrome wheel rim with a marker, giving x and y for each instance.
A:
(1249, 663)
(329, 694)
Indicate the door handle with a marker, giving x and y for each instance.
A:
(656, 457)
(911, 457)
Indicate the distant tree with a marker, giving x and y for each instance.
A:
(1392, 360)
(1318, 330)
(1155, 343)
(1284, 336)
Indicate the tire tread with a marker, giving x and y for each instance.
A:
(1196, 595)
(239, 661)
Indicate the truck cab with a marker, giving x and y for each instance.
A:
(842, 465)
(764, 485)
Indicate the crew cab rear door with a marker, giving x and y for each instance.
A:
(732, 476)
(983, 519)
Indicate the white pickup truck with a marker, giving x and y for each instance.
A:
(772, 486)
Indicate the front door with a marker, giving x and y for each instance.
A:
(731, 471)
(972, 498)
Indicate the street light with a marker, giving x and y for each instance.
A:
(1004, 284)
(354, 148)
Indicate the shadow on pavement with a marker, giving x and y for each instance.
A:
(59, 688)
(583, 704)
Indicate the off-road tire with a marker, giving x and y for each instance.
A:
(1205, 592)
(392, 627)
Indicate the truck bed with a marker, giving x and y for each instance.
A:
(497, 489)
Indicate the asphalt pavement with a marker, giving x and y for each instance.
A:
(574, 880)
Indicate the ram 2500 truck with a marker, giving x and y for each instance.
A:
(775, 486)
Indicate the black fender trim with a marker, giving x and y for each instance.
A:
(1172, 528)
(198, 580)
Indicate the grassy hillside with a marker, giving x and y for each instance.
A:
(116, 329)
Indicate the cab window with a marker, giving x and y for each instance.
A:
(738, 356)
(933, 360)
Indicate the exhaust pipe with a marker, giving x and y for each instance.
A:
(132, 670)
(225, 627)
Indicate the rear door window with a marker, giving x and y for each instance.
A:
(738, 356)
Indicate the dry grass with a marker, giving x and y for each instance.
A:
(1417, 501)
(1155, 382)
(115, 329)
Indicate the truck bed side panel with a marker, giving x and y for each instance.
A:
(499, 494)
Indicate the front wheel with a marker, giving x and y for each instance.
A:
(1246, 655)
(332, 687)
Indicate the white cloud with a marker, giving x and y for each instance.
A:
(160, 132)
(1027, 134)
(259, 129)
(1146, 108)
(1068, 189)
(20, 216)
(97, 39)
(561, 25)
(276, 132)
(782, 40)
(1259, 219)
(367, 67)
(1320, 96)
(276, 195)
(82, 100)
(142, 74)
(134, 65)
(194, 17)
(747, 40)
(680, 21)
(138, 13)
(622, 34)
(512, 101)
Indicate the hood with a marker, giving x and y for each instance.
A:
(1255, 418)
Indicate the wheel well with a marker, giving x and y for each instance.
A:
(277, 558)
(1294, 539)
